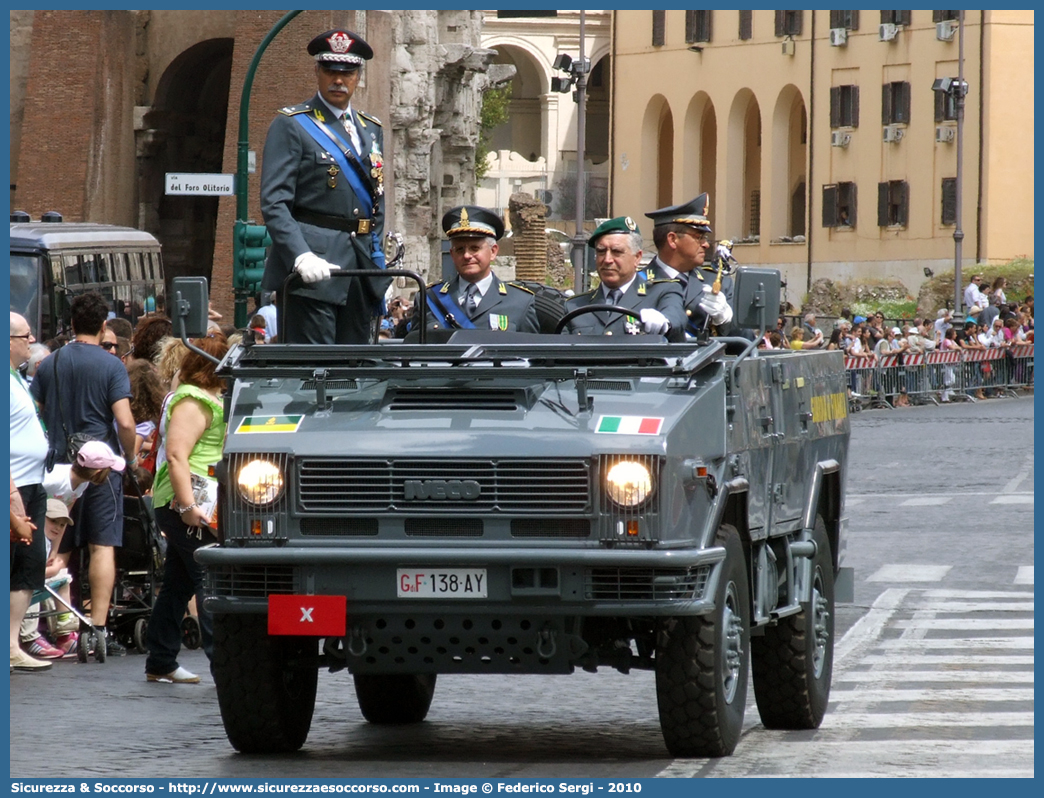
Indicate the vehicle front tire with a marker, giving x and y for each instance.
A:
(266, 685)
(794, 660)
(702, 666)
(395, 698)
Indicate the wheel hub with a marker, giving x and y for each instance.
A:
(820, 617)
(732, 649)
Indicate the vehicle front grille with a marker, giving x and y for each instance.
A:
(442, 399)
(331, 385)
(249, 581)
(333, 486)
(444, 527)
(550, 528)
(646, 584)
(338, 527)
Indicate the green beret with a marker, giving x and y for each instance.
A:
(621, 224)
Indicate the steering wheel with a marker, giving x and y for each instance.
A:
(593, 309)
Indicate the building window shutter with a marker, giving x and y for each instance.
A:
(795, 25)
(904, 105)
(708, 23)
(949, 200)
(835, 106)
(940, 106)
(659, 26)
(882, 204)
(852, 204)
(853, 20)
(903, 213)
(780, 19)
(855, 106)
(886, 104)
(905, 17)
(837, 19)
(690, 26)
(746, 25)
(830, 206)
(886, 17)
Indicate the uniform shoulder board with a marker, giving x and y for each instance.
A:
(291, 110)
(521, 288)
(662, 280)
(435, 284)
(373, 119)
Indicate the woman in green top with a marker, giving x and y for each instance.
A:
(195, 433)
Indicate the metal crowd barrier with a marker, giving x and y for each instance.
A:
(939, 376)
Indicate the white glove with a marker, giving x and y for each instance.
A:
(654, 322)
(715, 306)
(312, 268)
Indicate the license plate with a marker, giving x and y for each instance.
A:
(441, 583)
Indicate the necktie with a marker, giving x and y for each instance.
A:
(353, 134)
(614, 296)
(683, 278)
(472, 300)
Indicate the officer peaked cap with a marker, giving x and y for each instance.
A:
(341, 50)
(472, 221)
(692, 213)
(621, 224)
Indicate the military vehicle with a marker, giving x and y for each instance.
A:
(513, 503)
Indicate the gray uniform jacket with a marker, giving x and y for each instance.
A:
(296, 174)
(692, 292)
(504, 306)
(663, 295)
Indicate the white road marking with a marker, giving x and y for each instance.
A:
(883, 675)
(850, 502)
(926, 501)
(925, 720)
(1013, 499)
(985, 624)
(945, 694)
(939, 593)
(963, 643)
(913, 661)
(1024, 575)
(1018, 479)
(867, 629)
(899, 572)
(948, 606)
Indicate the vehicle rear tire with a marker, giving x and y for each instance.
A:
(191, 634)
(549, 303)
(395, 698)
(141, 626)
(794, 661)
(702, 666)
(266, 685)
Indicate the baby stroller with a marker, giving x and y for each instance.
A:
(139, 569)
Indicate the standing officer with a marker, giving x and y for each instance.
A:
(476, 298)
(618, 250)
(682, 238)
(322, 197)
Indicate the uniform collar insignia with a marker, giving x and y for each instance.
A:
(318, 114)
(503, 288)
(444, 289)
(641, 289)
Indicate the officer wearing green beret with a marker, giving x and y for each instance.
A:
(618, 251)
(681, 234)
(476, 298)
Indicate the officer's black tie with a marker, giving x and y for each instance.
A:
(614, 296)
(471, 301)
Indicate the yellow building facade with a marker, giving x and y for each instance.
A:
(821, 141)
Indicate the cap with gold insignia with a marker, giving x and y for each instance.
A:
(340, 50)
(692, 213)
(472, 220)
(621, 224)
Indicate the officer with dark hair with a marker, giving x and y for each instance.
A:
(618, 250)
(322, 198)
(681, 234)
(476, 298)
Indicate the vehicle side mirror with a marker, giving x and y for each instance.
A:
(755, 297)
(189, 309)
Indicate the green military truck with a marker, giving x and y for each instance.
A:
(521, 503)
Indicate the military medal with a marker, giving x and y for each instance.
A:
(333, 171)
(377, 170)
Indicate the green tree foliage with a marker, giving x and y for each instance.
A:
(494, 113)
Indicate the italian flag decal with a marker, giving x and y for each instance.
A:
(629, 425)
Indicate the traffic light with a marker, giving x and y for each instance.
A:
(250, 241)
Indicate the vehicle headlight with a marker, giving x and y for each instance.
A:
(629, 483)
(260, 482)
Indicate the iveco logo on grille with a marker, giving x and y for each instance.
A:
(442, 489)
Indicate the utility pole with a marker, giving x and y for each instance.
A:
(959, 91)
(579, 239)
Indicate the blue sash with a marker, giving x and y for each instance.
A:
(459, 319)
(322, 135)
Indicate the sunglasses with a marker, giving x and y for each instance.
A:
(27, 336)
(108, 346)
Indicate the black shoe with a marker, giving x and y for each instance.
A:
(113, 647)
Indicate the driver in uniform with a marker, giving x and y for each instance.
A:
(658, 303)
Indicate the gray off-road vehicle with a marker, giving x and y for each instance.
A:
(530, 503)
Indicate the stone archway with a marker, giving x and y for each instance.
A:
(184, 131)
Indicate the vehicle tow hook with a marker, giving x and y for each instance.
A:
(546, 646)
(357, 642)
